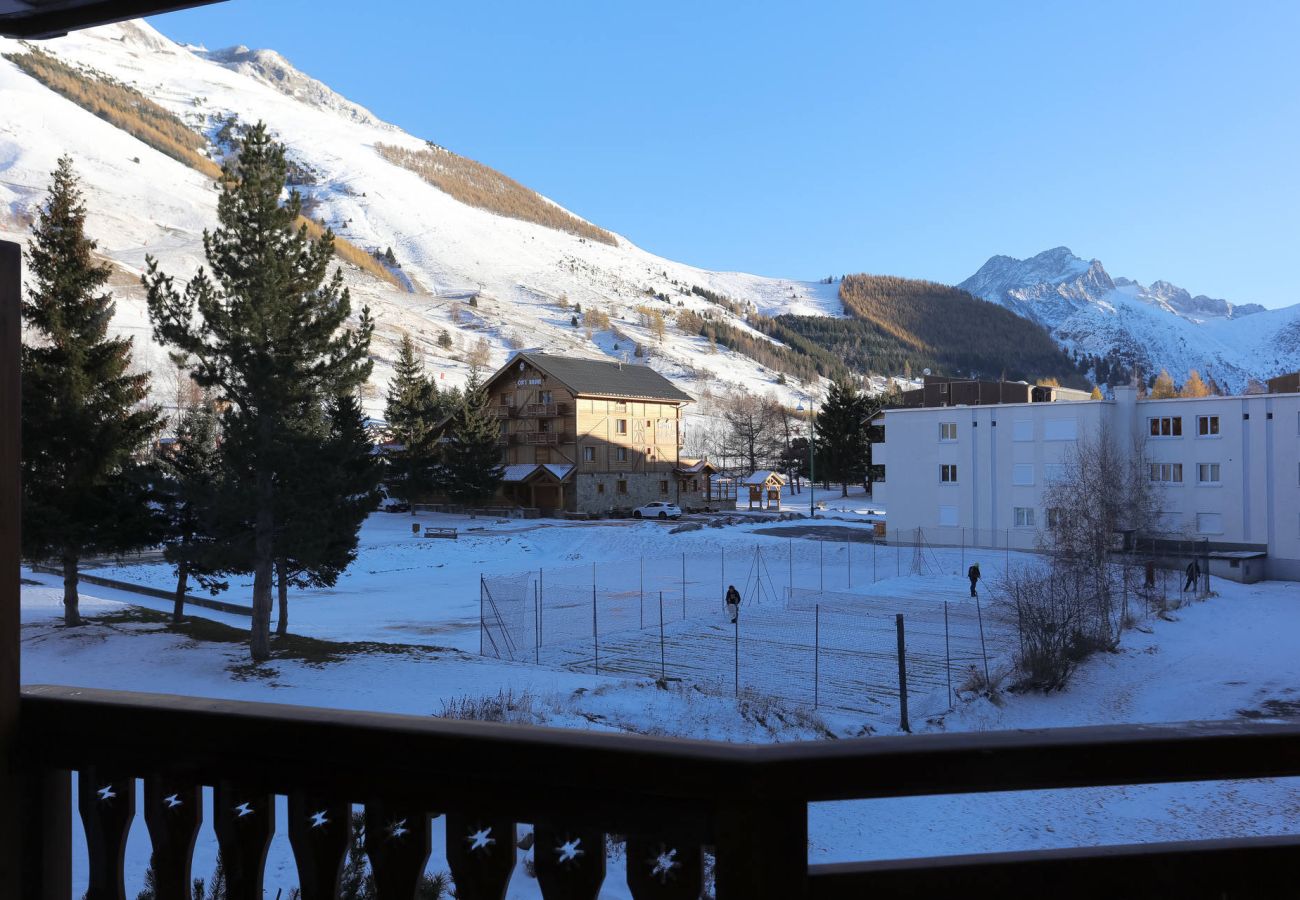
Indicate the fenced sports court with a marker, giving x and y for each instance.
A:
(803, 634)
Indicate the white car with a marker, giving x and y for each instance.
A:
(660, 509)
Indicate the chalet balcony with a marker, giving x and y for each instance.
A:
(545, 410)
(675, 801)
(501, 411)
(546, 438)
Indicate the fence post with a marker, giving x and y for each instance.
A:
(663, 669)
(817, 653)
(737, 647)
(988, 684)
(541, 597)
(537, 629)
(947, 652)
(480, 615)
(902, 675)
(595, 633)
(898, 558)
(790, 591)
(963, 547)
(848, 559)
(683, 585)
(873, 560)
(643, 590)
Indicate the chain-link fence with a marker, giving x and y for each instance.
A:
(802, 634)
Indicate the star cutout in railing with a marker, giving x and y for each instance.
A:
(570, 850)
(481, 839)
(172, 801)
(663, 865)
(319, 819)
(244, 809)
(398, 830)
(106, 793)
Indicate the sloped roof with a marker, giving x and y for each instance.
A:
(762, 476)
(695, 466)
(520, 472)
(603, 378)
(50, 18)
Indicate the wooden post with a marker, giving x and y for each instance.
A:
(762, 849)
(11, 831)
(902, 675)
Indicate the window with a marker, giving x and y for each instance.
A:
(622, 454)
(1022, 474)
(620, 405)
(1167, 472)
(620, 426)
(947, 431)
(588, 454)
(544, 397)
(947, 515)
(1209, 523)
(1061, 430)
(1207, 473)
(948, 474)
(1053, 472)
(1022, 430)
(663, 487)
(1055, 517)
(1207, 426)
(1023, 516)
(1166, 426)
(600, 488)
(622, 487)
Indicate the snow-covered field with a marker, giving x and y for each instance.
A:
(400, 634)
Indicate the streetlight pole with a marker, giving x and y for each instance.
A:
(812, 471)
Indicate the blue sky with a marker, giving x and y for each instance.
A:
(800, 140)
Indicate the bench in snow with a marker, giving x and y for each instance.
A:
(432, 532)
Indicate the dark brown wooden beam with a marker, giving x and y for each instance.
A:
(1257, 867)
(10, 521)
(52, 18)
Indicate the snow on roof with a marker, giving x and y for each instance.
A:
(524, 471)
(519, 472)
(763, 476)
(558, 470)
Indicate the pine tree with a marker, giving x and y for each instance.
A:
(444, 339)
(471, 459)
(1163, 387)
(1096, 393)
(1194, 387)
(842, 446)
(316, 543)
(412, 412)
(389, 257)
(267, 331)
(85, 416)
(189, 488)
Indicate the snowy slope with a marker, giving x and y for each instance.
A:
(1160, 326)
(519, 272)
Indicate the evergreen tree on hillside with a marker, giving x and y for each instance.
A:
(267, 331)
(412, 410)
(189, 486)
(85, 417)
(315, 542)
(843, 452)
(471, 468)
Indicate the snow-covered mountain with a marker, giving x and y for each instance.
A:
(523, 278)
(1154, 327)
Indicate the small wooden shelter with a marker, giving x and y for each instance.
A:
(764, 488)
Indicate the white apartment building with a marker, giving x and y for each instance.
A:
(1229, 469)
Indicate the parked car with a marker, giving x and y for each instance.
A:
(389, 503)
(660, 509)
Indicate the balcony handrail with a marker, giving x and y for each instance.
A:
(748, 800)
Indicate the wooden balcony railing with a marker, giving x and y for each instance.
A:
(545, 410)
(673, 800)
(501, 412)
(543, 437)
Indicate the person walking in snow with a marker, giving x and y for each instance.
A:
(733, 603)
(1193, 575)
(973, 573)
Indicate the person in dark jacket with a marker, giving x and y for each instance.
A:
(1193, 575)
(733, 603)
(973, 573)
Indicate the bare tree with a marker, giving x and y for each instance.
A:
(752, 430)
